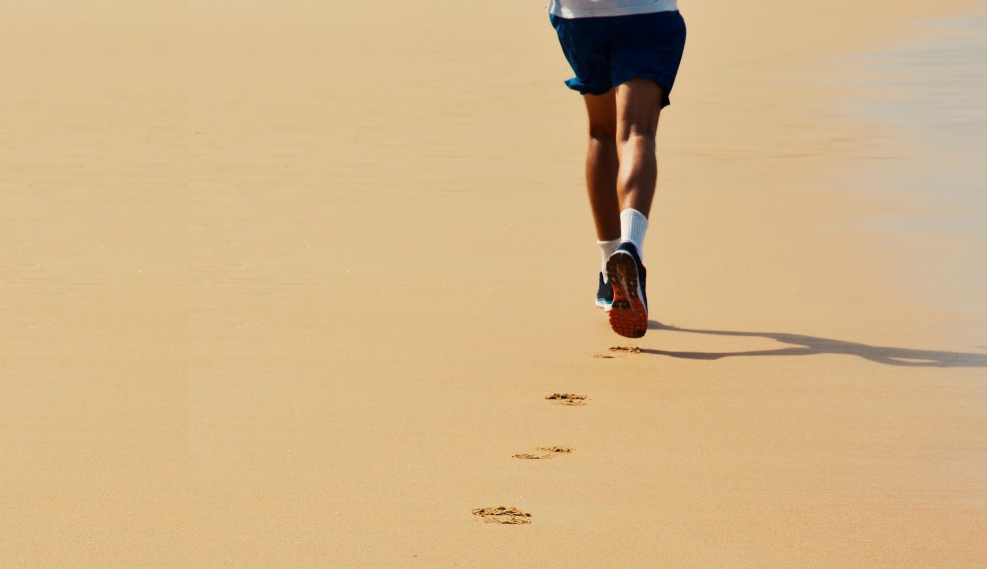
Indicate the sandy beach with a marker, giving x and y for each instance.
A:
(288, 285)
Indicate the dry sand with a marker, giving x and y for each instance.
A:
(287, 285)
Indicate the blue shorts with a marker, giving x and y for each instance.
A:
(605, 52)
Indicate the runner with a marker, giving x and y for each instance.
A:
(625, 54)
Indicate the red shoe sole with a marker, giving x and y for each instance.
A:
(628, 315)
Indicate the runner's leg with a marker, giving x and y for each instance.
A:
(602, 164)
(638, 105)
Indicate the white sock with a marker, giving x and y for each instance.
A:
(633, 225)
(607, 248)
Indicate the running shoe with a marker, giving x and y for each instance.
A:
(627, 275)
(604, 294)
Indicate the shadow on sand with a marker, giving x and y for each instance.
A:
(810, 346)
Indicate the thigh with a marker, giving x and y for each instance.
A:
(638, 105)
(602, 113)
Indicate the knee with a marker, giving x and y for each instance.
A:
(602, 133)
(603, 141)
(636, 148)
(636, 133)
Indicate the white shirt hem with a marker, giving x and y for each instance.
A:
(555, 8)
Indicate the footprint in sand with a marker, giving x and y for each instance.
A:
(502, 515)
(568, 399)
(618, 350)
(552, 451)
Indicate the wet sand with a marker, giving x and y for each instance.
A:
(292, 286)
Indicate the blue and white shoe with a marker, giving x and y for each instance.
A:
(627, 275)
(604, 294)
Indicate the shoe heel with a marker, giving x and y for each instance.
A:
(628, 316)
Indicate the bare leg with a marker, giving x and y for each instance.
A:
(602, 165)
(638, 107)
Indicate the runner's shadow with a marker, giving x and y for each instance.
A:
(810, 346)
